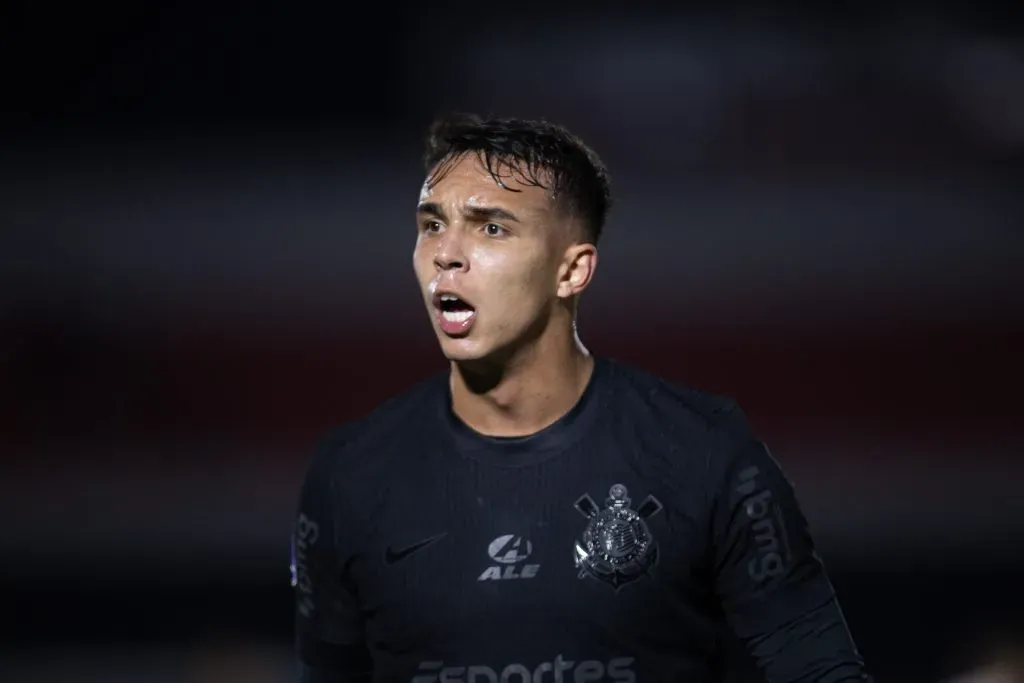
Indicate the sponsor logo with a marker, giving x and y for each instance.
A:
(771, 549)
(306, 534)
(559, 670)
(510, 553)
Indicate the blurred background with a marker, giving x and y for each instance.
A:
(206, 229)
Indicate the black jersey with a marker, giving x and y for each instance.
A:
(619, 544)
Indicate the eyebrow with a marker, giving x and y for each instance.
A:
(478, 213)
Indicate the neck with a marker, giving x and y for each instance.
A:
(526, 393)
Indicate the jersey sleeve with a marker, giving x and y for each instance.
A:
(772, 585)
(330, 645)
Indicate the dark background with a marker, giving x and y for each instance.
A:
(205, 262)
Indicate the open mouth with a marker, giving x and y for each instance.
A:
(454, 309)
(455, 314)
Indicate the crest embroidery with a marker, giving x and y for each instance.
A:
(616, 546)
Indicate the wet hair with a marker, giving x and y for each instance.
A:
(533, 152)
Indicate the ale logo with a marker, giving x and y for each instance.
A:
(509, 554)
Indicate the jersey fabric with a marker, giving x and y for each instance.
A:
(619, 544)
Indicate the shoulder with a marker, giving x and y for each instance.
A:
(686, 411)
(687, 440)
(690, 434)
(350, 448)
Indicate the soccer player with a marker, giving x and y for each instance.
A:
(537, 513)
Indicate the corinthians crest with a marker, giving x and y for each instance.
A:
(616, 547)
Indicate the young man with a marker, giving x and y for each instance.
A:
(537, 514)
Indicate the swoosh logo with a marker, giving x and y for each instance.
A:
(392, 556)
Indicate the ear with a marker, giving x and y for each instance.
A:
(577, 270)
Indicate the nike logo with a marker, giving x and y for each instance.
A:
(392, 556)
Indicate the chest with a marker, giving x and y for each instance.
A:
(557, 551)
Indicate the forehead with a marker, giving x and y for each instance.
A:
(466, 181)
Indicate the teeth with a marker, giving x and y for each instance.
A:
(449, 297)
(457, 316)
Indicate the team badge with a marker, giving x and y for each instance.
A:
(616, 546)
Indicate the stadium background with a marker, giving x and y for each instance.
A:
(205, 264)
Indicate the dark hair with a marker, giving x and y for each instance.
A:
(535, 153)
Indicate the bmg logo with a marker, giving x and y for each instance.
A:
(769, 531)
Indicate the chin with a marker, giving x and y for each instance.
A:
(462, 349)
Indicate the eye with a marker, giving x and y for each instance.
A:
(494, 230)
(431, 226)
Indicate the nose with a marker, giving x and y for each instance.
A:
(450, 254)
